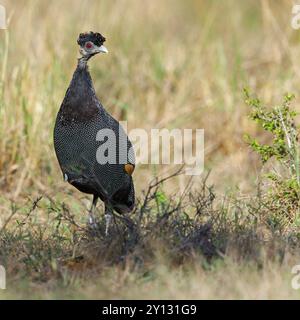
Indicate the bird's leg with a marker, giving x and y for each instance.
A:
(108, 217)
(92, 219)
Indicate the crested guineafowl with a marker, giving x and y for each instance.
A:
(93, 151)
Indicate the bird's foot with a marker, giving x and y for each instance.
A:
(92, 222)
(108, 217)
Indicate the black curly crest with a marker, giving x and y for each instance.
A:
(94, 37)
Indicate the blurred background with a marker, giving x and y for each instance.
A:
(171, 64)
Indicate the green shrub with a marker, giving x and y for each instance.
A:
(281, 194)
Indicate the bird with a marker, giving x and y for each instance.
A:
(93, 150)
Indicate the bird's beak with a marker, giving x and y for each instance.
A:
(103, 49)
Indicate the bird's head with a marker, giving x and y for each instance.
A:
(90, 44)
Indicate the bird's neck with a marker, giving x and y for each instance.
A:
(82, 75)
(82, 63)
(81, 86)
(80, 100)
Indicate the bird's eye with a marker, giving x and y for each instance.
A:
(88, 45)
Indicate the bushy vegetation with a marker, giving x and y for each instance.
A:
(187, 232)
(233, 233)
(280, 195)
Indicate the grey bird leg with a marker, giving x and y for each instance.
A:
(108, 217)
(92, 219)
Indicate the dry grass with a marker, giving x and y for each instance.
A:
(182, 64)
(228, 281)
